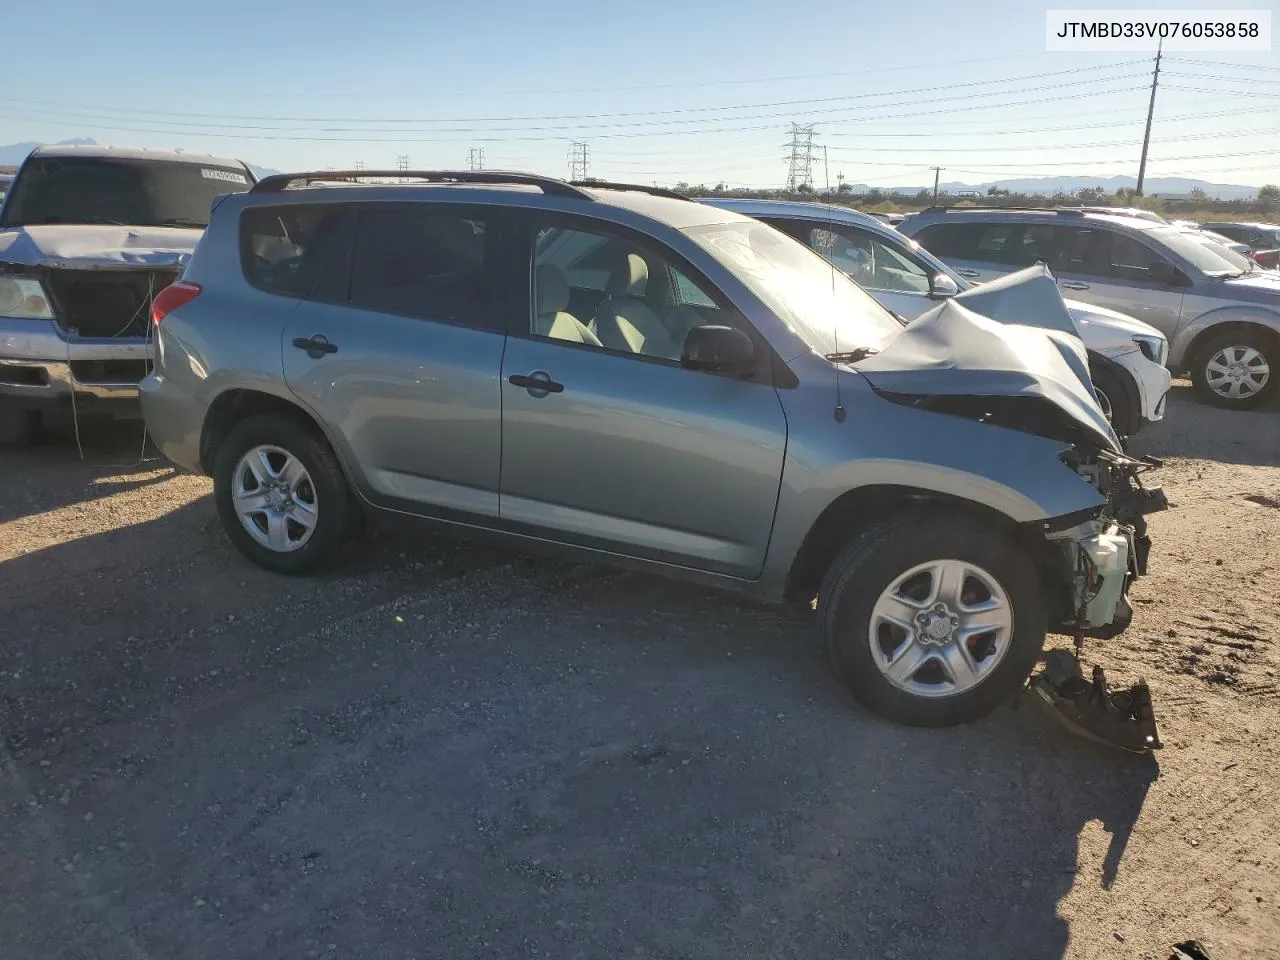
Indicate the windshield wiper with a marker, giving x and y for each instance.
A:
(182, 222)
(851, 356)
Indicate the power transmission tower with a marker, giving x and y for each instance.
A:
(475, 158)
(578, 160)
(800, 160)
(937, 172)
(1151, 109)
(402, 164)
(358, 165)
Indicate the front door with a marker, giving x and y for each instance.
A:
(401, 358)
(607, 441)
(1110, 269)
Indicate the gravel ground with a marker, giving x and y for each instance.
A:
(444, 750)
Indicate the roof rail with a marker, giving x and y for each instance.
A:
(638, 187)
(549, 185)
(1068, 211)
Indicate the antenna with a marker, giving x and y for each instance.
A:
(839, 412)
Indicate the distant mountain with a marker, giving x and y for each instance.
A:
(1154, 186)
(13, 154)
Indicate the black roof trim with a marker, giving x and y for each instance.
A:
(548, 185)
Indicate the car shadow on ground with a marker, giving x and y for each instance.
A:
(466, 750)
(52, 473)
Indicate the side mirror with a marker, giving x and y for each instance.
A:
(719, 349)
(941, 286)
(1166, 273)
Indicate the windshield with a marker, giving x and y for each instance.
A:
(136, 193)
(1220, 248)
(825, 308)
(1212, 259)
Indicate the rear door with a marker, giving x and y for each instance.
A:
(626, 450)
(976, 251)
(399, 351)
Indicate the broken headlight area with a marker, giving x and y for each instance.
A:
(23, 297)
(1102, 554)
(1036, 415)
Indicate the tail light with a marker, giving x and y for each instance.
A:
(175, 295)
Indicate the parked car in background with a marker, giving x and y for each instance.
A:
(5, 180)
(642, 378)
(1262, 239)
(892, 219)
(89, 235)
(1126, 356)
(1222, 317)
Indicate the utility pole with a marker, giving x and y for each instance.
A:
(800, 159)
(578, 160)
(475, 158)
(937, 172)
(1151, 109)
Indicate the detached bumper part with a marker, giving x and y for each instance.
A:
(1122, 718)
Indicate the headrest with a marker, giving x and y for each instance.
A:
(629, 278)
(552, 289)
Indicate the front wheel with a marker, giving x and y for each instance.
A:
(933, 620)
(1237, 370)
(1121, 412)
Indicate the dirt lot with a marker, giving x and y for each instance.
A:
(442, 750)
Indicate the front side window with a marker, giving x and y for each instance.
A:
(419, 261)
(869, 260)
(826, 309)
(602, 290)
(110, 190)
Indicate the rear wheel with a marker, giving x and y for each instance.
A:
(933, 620)
(1238, 370)
(281, 494)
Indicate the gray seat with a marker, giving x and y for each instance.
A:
(550, 320)
(625, 321)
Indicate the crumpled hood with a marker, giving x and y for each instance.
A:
(1013, 337)
(86, 246)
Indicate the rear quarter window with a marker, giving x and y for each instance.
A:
(288, 249)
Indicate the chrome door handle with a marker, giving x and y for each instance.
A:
(970, 274)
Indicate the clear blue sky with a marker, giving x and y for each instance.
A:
(324, 84)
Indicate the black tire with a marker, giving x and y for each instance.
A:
(874, 561)
(1125, 416)
(1266, 345)
(335, 510)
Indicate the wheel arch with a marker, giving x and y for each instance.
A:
(1191, 342)
(234, 405)
(863, 508)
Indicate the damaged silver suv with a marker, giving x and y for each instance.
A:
(628, 375)
(88, 236)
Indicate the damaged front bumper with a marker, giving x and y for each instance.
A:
(42, 368)
(1101, 556)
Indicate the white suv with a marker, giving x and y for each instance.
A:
(1126, 356)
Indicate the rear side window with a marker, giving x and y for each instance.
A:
(289, 249)
(992, 242)
(421, 261)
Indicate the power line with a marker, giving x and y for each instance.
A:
(1223, 63)
(148, 114)
(516, 131)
